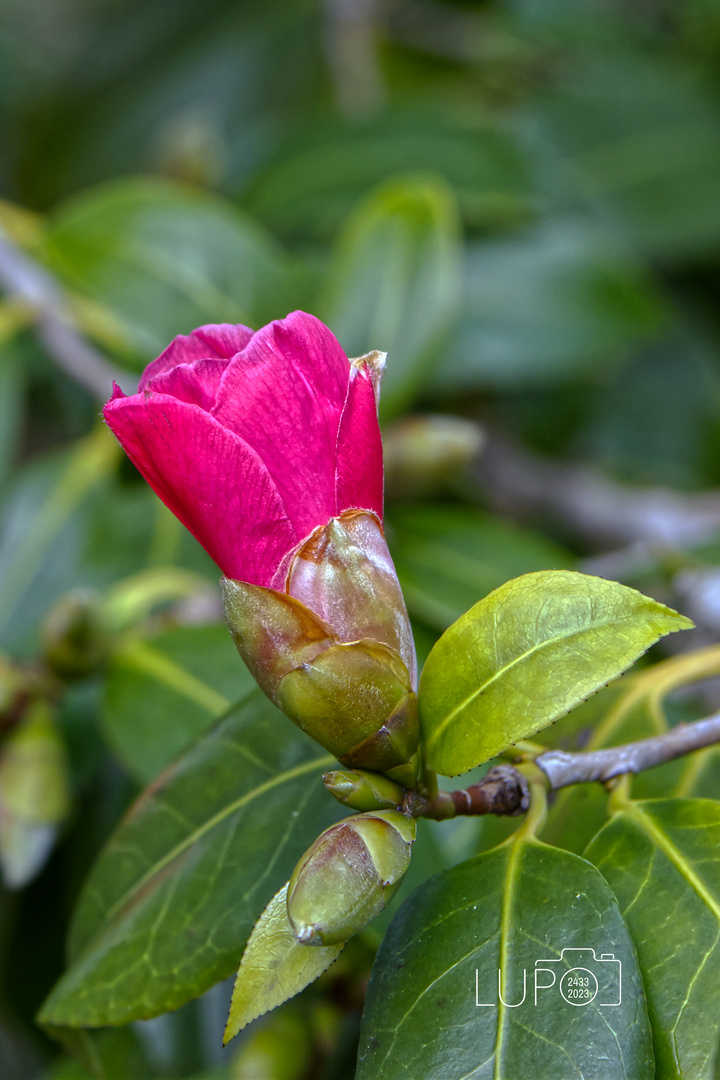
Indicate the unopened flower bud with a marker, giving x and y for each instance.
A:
(423, 452)
(348, 876)
(34, 793)
(335, 652)
(75, 636)
(363, 790)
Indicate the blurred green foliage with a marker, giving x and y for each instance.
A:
(518, 199)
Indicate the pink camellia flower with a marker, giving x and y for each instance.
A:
(253, 440)
(267, 447)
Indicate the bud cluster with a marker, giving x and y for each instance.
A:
(333, 649)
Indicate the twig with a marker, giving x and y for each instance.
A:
(504, 789)
(563, 768)
(31, 284)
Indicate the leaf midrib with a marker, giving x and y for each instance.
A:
(516, 846)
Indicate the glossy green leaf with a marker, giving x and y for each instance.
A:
(165, 259)
(447, 556)
(173, 897)
(432, 1008)
(525, 655)
(546, 305)
(662, 860)
(274, 968)
(163, 694)
(394, 282)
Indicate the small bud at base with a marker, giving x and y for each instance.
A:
(363, 790)
(348, 876)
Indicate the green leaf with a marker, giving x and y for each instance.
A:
(39, 544)
(163, 694)
(447, 555)
(173, 897)
(546, 305)
(525, 655)
(640, 138)
(662, 860)
(274, 968)
(635, 707)
(394, 281)
(502, 911)
(310, 189)
(34, 794)
(165, 259)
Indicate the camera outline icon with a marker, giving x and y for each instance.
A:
(579, 984)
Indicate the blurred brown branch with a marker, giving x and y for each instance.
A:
(603, 512)
(26, 281)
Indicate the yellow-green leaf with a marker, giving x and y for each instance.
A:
(274, 967)
(527, 654)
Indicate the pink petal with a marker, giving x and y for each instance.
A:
(359, 469)
(284, 395)
(210, 479)
(197, 383)
(221, 340)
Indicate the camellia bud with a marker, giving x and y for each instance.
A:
(422, 453)
(75, 636)
(348, 876)
(363, 790)
(335, 651)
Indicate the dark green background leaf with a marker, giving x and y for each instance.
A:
(163, 694)
(394, 282)
(547, 305)
(170, 903)
(166, 259)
